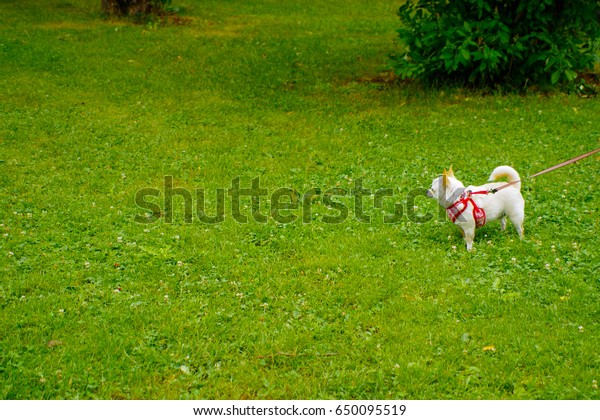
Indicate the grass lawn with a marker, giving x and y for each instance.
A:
(96, 304)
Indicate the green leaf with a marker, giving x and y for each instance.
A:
(465, 54)
(570, 75)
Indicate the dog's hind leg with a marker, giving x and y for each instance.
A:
(517, 221)
(520, 230)
(503, 223)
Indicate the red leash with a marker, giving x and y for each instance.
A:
(560, 165)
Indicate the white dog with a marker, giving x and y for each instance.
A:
(473, 206)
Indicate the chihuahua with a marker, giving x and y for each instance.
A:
(473, 206)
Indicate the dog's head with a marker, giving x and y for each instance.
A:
(445, 187)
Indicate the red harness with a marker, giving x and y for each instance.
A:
(460, 205)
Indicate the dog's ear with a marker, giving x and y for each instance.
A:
(445, 181)
(451, 172)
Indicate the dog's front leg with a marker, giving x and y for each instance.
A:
(469, 233)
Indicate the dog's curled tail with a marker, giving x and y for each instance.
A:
(508, 172)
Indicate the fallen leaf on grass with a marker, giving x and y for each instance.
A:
(54, 343)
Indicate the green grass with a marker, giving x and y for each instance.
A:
(94, 305)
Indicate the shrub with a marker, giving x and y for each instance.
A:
(135, 8)
(493, 42)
